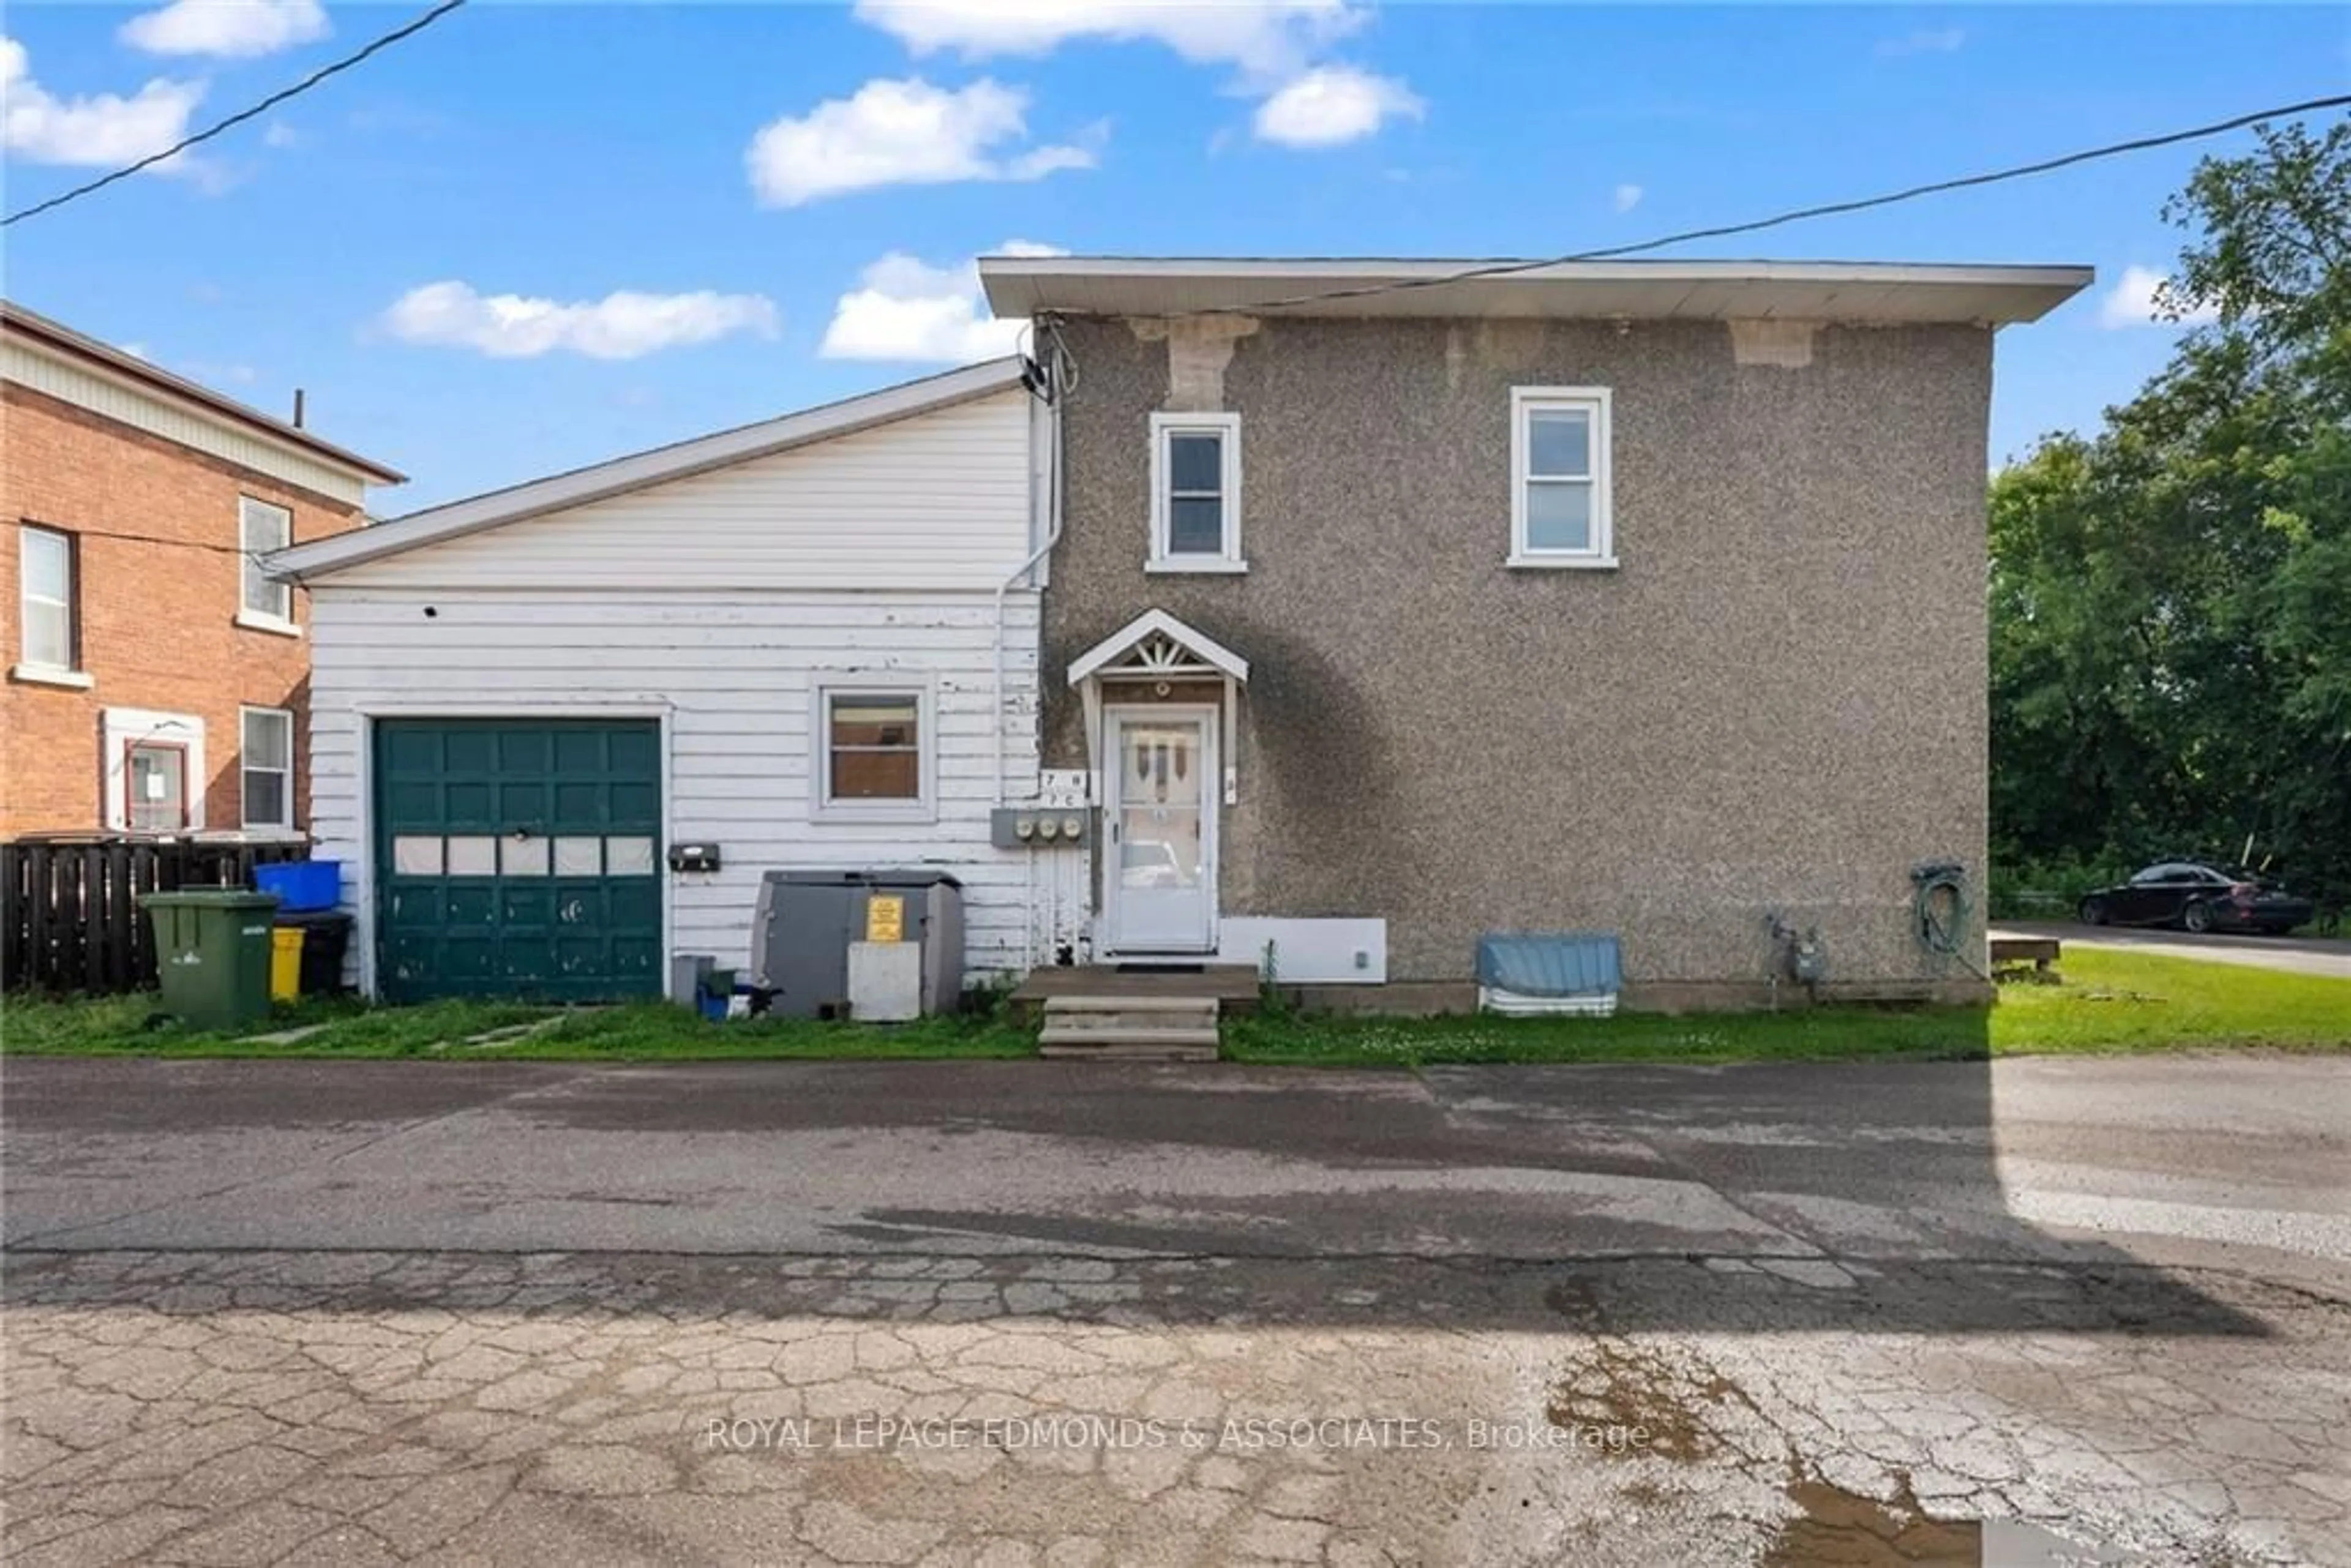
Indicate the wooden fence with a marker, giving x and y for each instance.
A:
(71, 920)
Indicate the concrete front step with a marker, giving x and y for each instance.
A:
(1058, 1034)
(1128, 1053)
(1128, 1022)
(1130, 1029)
(1117, 1004)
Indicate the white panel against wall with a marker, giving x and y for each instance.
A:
(733, 670)
(1308, 952)
(938, 500)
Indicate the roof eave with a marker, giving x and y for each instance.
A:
(63, 339)
(1029, 285)
(642, 470)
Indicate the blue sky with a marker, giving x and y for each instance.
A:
(785, 198)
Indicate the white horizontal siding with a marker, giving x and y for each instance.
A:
(938, 500)
(733, 671)
(74, 382)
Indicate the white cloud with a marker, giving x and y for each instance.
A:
(136, 350)
(902, 134)
(1628, 197)
(620, 325)
(2131, 303)
(232, 29)
(904, 309)
(99, 130)
(1263, 37)
(1924, 41)
(281, 135)
(1334, 104)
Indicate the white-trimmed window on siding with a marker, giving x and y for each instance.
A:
(265, 605)
(877, 753)
(48, 607)
(1560, 513)
(265, 765)
(1196, 493)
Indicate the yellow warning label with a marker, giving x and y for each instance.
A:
(885, 918)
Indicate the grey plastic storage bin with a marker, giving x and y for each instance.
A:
(807, 919)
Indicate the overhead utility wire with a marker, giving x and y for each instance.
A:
(1501, 269)
(266, 104)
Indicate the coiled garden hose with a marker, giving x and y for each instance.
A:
(1940, 912)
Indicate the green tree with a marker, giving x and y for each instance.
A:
(2171, 596)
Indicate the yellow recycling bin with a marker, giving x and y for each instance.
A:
(285, 963)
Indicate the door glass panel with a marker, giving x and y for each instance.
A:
(1159, 808)
(522, 857)
(628, 857)
(158, 784)
(473, 854)
(579, 857)
(416, 855)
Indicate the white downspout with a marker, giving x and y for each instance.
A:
(1052, 538)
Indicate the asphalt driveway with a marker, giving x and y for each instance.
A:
(1009, 1312)
(2293, 955)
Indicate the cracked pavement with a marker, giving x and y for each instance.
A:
(2026, 1313)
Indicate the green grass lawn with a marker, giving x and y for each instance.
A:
(2108, 1001)
(644, 1031)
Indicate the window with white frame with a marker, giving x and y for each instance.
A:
(874, 753)
(1559, 512)
(1196, 491)
(47, 602)
(266, 761)
(263, 529)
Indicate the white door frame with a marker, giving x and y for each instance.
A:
(1114, 716)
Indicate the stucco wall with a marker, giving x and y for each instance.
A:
(1776, 702)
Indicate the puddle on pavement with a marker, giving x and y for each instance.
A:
(1841, 1528)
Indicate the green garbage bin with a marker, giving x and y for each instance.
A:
(212, 949)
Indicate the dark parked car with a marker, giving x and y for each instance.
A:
(2196, 898)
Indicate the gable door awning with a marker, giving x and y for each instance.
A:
(1156, 647)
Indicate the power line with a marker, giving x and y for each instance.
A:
(1501, 269)
(266, 104)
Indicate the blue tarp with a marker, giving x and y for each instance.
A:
(1551, 963)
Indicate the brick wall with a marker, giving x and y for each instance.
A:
(160, 589)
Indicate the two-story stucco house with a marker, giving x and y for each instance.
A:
(1392, 607)
(156, 680)
(1337, 612)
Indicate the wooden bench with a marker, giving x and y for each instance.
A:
(2011, 952)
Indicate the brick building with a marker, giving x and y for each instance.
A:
(157, 682)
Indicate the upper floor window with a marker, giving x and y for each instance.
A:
(47, 601)
(1196, 493)
(1558, 477)
(262, 528)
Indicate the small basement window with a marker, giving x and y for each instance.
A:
(874, 755)
(1560, 511)
(1196, 493)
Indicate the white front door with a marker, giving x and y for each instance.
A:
(1159, 866)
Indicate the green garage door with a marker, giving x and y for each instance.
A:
(518, 858)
